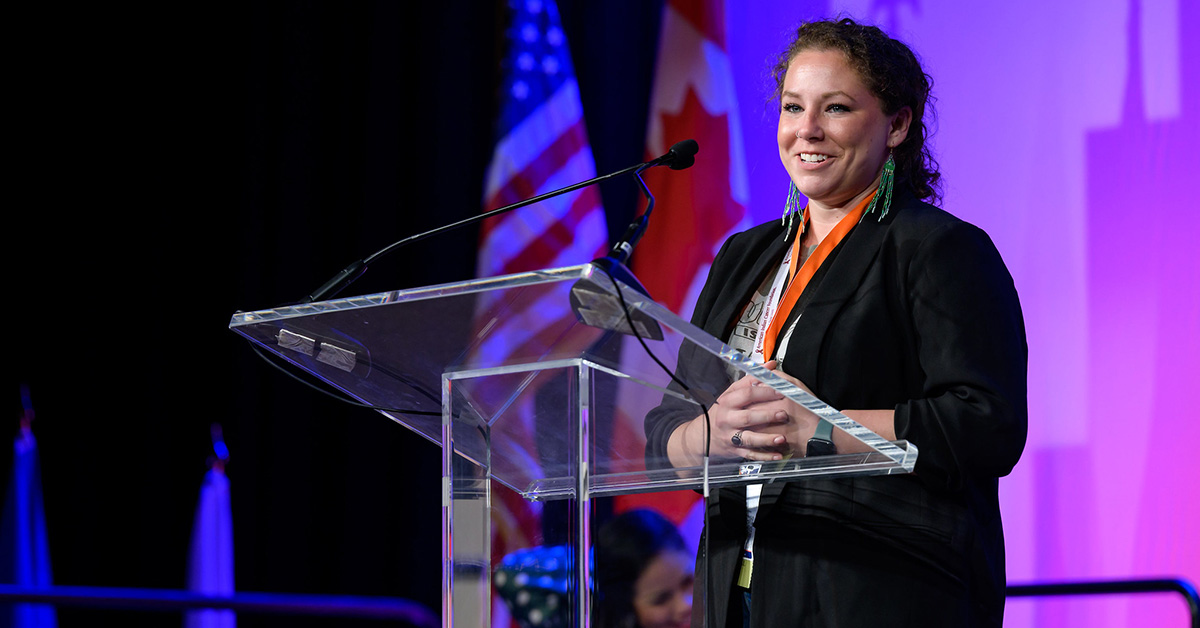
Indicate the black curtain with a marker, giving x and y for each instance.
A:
(177, 163)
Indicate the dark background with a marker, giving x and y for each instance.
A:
(177, 164)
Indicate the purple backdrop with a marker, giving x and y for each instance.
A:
(1067, 130)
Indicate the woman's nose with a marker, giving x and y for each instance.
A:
(808, 127)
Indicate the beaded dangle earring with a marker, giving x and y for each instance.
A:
(790, 210)
(885, 188)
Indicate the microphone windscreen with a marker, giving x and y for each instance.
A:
(683, 154)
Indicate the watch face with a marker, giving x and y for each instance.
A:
(820, 447)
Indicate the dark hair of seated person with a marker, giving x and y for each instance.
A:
(625, 546)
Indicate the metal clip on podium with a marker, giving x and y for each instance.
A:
(529, 402)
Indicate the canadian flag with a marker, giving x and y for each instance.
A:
(697, 208)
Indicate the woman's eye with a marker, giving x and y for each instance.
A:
(836, 108)
(792, 108)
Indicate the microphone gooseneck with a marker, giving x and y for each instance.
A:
(594, 305)
(681, 156)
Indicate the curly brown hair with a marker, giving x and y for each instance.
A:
(893, 73)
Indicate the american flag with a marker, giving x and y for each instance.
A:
(210, 557)
(24, 546)
(694, 97)
(541, 145)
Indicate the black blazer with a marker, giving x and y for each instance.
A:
(916, 313)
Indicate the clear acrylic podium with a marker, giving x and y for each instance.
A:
(534, 400)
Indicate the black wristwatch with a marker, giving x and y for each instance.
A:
(821, 444)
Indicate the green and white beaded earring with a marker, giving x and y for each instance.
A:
(791, 210)
(885, 188)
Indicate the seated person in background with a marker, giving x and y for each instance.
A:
(643, 573)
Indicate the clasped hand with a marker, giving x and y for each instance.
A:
(751, 421)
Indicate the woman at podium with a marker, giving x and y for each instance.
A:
(887, 307)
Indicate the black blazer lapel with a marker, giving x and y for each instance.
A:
(831, 289)
(757, 256)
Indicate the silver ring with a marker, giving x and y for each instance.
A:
(737, 438)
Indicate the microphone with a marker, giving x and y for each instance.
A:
(682, 155)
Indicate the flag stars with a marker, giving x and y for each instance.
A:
(538, 60)
(529, 33)
(520, 90)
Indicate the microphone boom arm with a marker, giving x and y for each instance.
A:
(681, 155)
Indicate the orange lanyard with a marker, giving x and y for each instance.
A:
(802, 275)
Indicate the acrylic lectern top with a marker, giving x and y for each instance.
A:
(503, 362)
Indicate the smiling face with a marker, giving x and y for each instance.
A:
(833, 134)
(662, 595)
